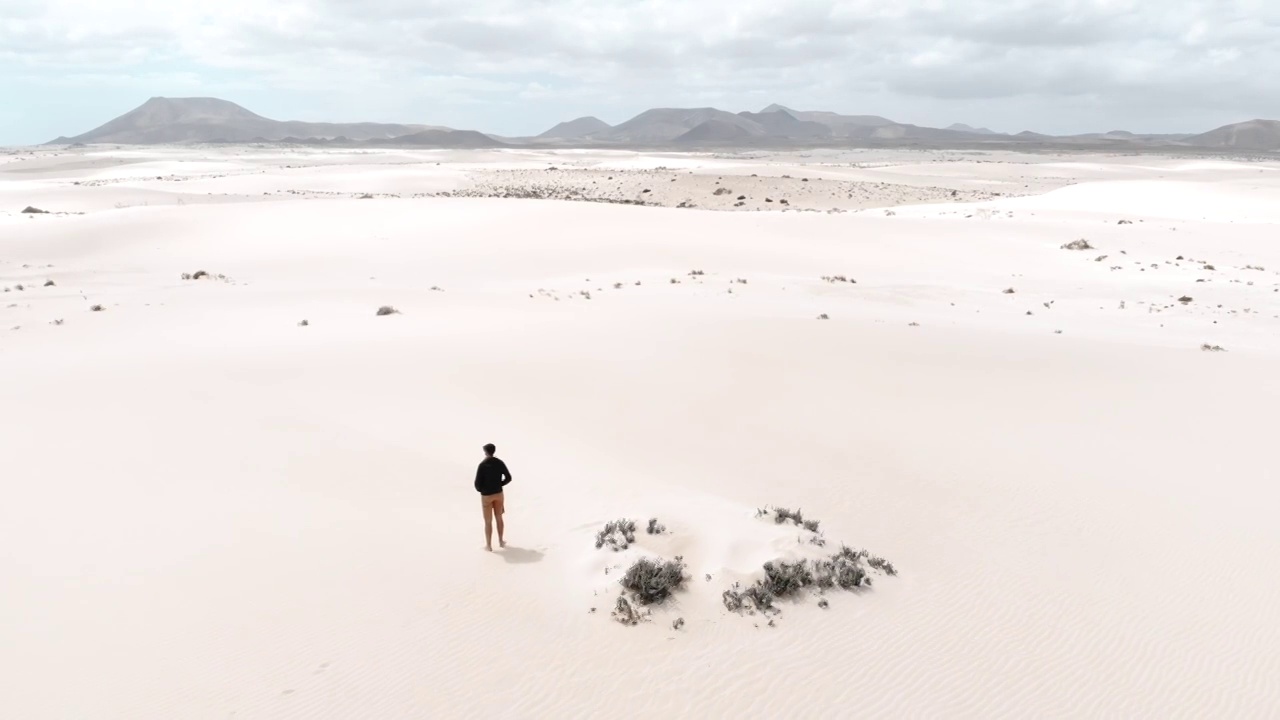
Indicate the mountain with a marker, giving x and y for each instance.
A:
(782, 124)
(575, 129)
(435, 137)
(193, 120)
(719, 131)
(1251, 135)
(961, 127)
(840, 125)
(661, 125)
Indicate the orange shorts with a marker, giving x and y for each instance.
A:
(493, 502)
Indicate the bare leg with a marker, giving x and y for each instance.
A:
(488, 527)
(499, 509)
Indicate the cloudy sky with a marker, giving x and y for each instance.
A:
(519, 66)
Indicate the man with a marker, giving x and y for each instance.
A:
(491, 477)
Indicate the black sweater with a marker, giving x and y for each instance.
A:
(492, 476)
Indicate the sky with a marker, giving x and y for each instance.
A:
(517, 67)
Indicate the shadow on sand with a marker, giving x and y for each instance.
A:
(513, 554)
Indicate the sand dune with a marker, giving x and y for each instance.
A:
(212, 511)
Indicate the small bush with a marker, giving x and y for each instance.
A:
(696, 273)
(29, 210)
(824, 316)
(811, 525)
(655, 528)
(782, 515)
(49, 283)
(19, 287)
(199, 274)
(1008, 291)
(96, 308)
(1184, 299)
(303, 323)
(624, 612)
(882, 565)
(679, 623)
(652, 581)
(618, 535)
(1212, 348)
(387, 310)
(1080, 244)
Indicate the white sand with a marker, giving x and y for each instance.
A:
(210, 512)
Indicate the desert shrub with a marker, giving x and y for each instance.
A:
(882, 565)
(618, 534)
(679, 623)
(303, 323)
(617, 286)
(19, 287)
(49, 283)
(654, 580)
(29, 210)
(781, 515)
(57, 321)
(1184, 299)
(624, 612)
(734, 600)
(823, 603)
(655, 528)
(811, 525)
(1212, 348)
(783, 579)
(387, 310)
(199, 274)
(824, 316)
(696, 273)
(1008, 291)
(722, 191)
(1080, 244)
(96, 308)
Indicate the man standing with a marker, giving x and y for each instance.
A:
(491, 477)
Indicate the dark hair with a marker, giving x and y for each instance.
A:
(490, 449)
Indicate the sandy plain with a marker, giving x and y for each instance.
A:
(212, 511)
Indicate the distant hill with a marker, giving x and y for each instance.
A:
(961, 127)
(661, 125)
(840, 125)
(469, 139)
(1251, 135)
(574, 129)
(210, 120)
(193, 120)
(718, 130)
(782, 124)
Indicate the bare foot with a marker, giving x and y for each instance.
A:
(502, 543)
(488, 548)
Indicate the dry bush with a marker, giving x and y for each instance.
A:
(618, 534)
(387, 310)
(1080, 244)
(654, 580)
